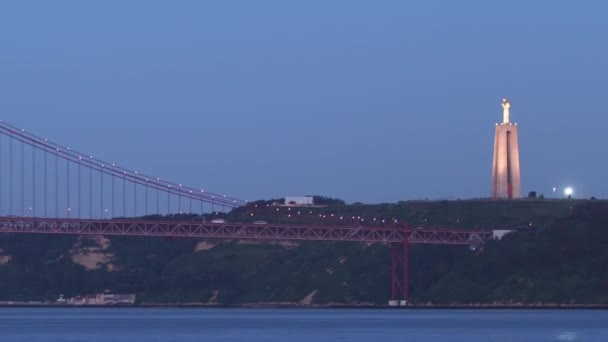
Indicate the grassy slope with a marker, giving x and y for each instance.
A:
(561, 260)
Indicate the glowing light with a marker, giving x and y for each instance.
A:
(568, 191)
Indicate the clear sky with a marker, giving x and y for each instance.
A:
(368, 101)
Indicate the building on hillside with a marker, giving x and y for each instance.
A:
(498, 234)
(99, 299)
(299, 200)
(113, 299)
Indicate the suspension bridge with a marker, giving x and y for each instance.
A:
(47, 188)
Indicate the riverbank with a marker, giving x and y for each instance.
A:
(315, 306)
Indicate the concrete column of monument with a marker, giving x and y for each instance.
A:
(506, 177)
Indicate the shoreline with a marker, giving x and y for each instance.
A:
(323, 306)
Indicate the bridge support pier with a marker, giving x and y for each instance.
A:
(399, 274)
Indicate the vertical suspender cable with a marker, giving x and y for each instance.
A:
(79, 191)
(56, 186)
(134, 199)
(124, 194)
(10, 175)
(112, 196)
(1, 192)
(90, 192)
(45, 202)
(67, 185)
(33, 181)
(22, 176)
(101, 194)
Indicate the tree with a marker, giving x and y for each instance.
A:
(532, 194)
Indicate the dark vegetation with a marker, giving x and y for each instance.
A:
(558, 254)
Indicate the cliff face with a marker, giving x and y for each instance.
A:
(562, 261)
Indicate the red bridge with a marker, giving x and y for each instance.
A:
(46, 188)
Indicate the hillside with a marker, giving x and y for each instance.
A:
(559, 258)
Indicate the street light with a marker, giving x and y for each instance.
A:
(568, 191)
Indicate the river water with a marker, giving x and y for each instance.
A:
(353, 325)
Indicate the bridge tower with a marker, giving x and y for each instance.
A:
(506, 178)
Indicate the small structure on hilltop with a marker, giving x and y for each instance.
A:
(299, 200)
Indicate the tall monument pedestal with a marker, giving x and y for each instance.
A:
(506, 177)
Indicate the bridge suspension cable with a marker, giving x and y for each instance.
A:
(69, 189)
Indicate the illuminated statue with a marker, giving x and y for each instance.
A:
(505, 110)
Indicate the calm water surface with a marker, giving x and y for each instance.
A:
(78, 324)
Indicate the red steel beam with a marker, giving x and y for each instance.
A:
(249, 231)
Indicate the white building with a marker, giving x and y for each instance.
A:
(497, 234)
(299, 200)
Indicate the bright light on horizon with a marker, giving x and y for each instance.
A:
(568, 191)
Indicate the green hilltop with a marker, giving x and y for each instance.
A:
(556, 254)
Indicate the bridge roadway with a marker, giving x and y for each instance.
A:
(250, 231)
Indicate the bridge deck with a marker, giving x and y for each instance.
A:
(251, 231)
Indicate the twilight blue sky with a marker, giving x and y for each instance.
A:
(364, 100)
